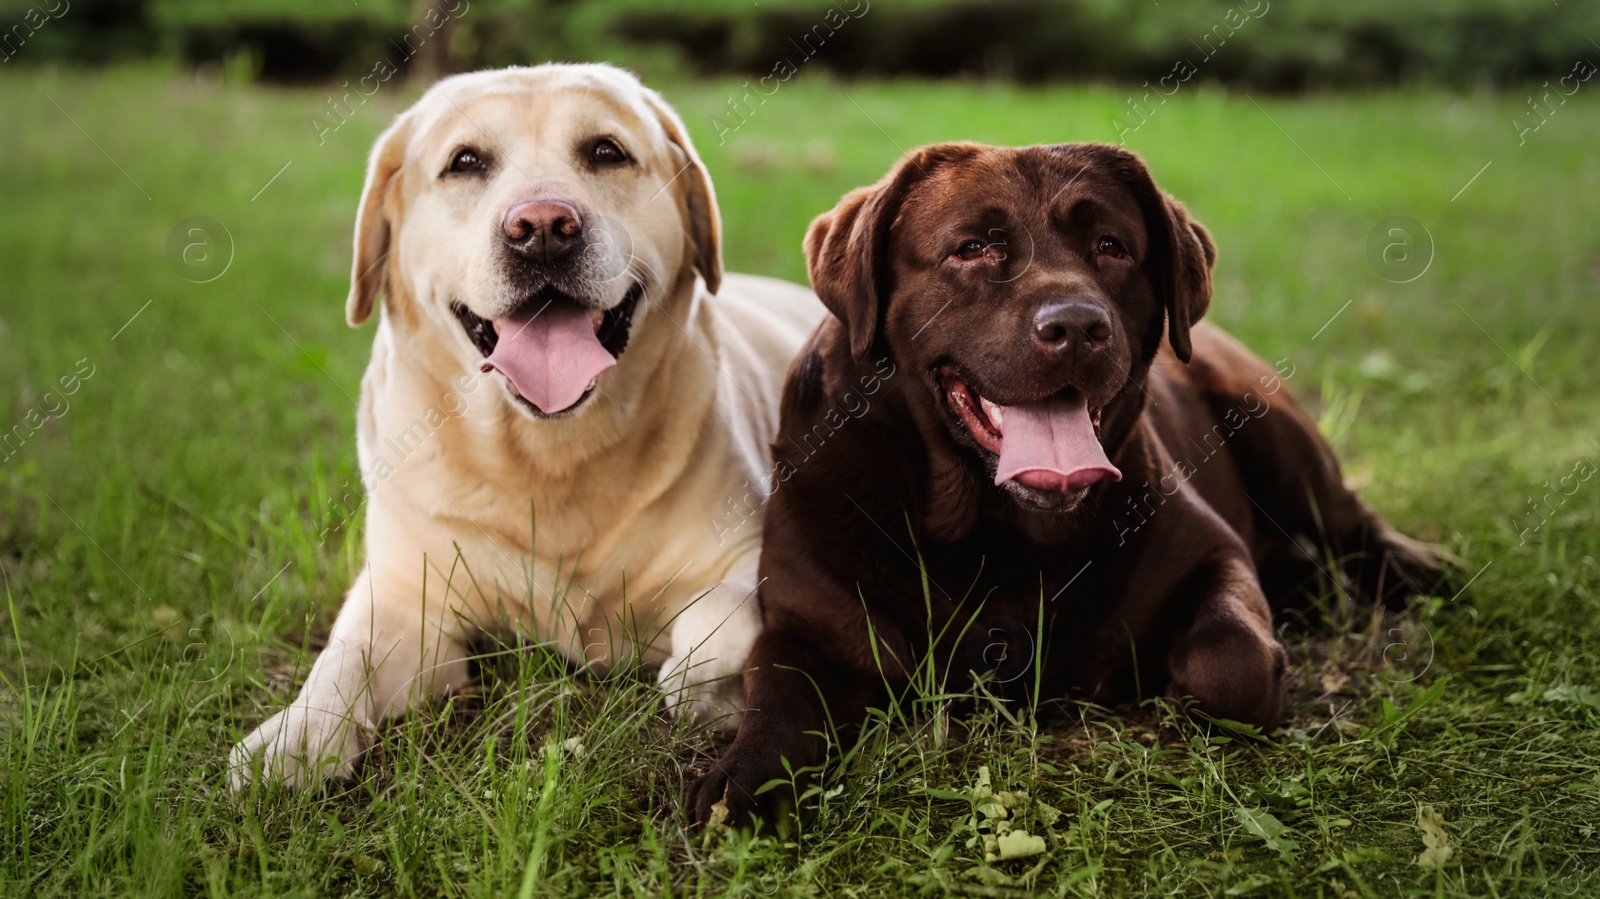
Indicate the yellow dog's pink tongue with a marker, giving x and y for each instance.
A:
(1050, 445)
(550, 356)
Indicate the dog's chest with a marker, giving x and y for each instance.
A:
(1010, 612)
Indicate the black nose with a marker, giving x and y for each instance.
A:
(1071, 327)
(542, 230)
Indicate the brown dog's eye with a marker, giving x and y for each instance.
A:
(971, 250)
(466, 160)
(1110, 246)
(606, 152)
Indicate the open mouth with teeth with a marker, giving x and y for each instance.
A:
(552, 349)
(1050, 444)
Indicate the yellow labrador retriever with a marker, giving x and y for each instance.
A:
(565, 386)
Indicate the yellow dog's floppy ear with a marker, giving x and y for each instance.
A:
(698, 199)
(847, 247)
(374, 224)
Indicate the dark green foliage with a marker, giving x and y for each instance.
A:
(1260, 44)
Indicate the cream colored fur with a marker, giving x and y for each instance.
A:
(551, 517)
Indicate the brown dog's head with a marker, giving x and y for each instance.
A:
(1028, 287)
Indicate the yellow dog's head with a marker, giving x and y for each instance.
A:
(536, 215)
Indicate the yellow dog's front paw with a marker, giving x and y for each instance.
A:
(297, 747)
(697, 693)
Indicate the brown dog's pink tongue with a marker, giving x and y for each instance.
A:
(550, 356)
(1050, 445)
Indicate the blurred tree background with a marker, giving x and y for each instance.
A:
(1271, 45)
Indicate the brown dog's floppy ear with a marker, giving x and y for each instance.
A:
(847, 247)
(374, 225)
(839, 260)
(700, 212)
(1190, 256)
(1181, 251)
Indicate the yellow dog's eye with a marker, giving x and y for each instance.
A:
(606, 152)
(466, 160)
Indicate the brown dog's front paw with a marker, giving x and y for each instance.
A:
(1232, 672)
(735, 782)
(705, 795)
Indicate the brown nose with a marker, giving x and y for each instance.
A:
(543, 230)
(1071, 328)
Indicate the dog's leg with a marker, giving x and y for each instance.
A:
(710, 641)
(1293, 474)
(1227, 659)
(1388, 565)
(798, 697)
(385, 652)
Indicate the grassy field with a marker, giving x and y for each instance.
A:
(165, 584)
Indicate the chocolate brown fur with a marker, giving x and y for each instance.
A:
(1149, 584)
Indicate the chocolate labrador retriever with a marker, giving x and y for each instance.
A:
(1032, 451)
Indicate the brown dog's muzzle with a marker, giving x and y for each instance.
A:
(1071, 330)
(1052, 381)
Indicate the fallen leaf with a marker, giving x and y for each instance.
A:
(1333, 680)
(981, 788)
(984, 800)
(1048, 815)
(1016, 844)
(719, 814)
(1436, 843)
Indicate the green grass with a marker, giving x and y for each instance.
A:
(165, 586)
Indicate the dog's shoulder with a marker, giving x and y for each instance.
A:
(819, 371)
